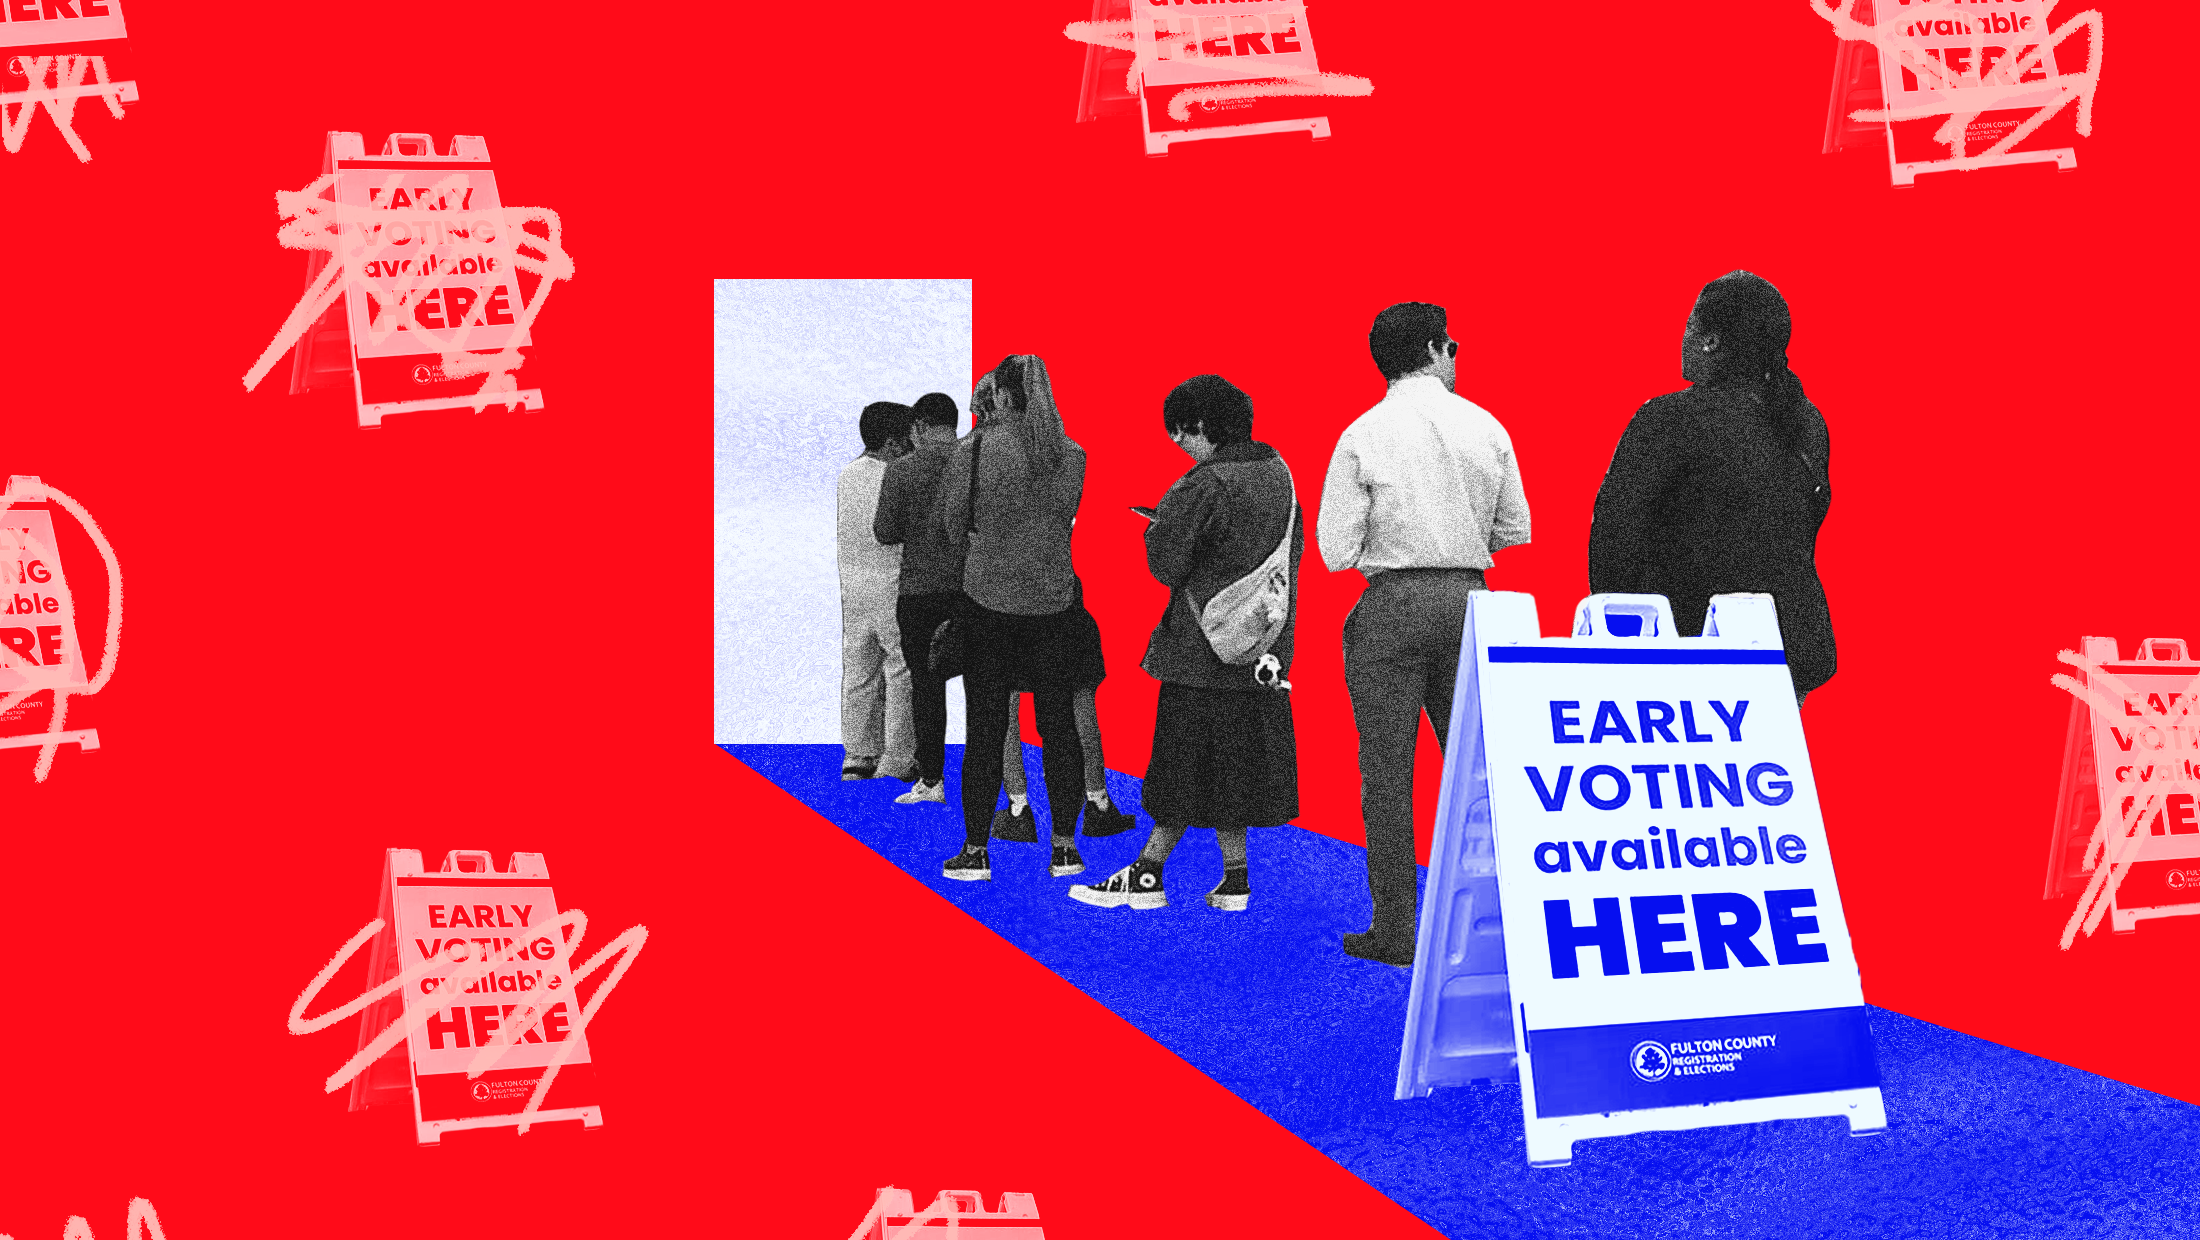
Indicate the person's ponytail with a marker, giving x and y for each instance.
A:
(1036, 424)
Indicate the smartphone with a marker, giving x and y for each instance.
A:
(1142, 511)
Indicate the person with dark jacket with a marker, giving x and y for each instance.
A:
(1224, 753)
(931, 580)
(1721, 488)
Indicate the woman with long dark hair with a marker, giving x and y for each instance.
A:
(1009, 497)
(1721, 488)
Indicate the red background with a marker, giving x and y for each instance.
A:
(489, 631)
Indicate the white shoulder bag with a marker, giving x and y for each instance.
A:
(1246, 617)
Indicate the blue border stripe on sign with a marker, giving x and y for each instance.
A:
(1605, 654)
(1669, 1063)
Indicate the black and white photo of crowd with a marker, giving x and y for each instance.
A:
(954, 560)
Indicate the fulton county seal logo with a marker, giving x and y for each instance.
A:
(481, 1091)
(1650, 1060)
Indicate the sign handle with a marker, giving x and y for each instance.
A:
(1624, 615)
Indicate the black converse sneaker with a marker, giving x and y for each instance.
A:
(969, 866)
(1066, 861)
(1234, 891)
(1103, 820)
(1137, 885)
(1016, 828)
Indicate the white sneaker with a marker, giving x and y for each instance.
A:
(921, 791)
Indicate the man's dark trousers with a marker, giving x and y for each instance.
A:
(1401, 657)
(919, 615)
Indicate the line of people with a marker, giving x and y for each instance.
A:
(955, 559)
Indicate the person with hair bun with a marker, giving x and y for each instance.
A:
(1224, 753)
(1721, 488)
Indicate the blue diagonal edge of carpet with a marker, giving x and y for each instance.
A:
(1983, 1140)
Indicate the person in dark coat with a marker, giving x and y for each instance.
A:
(908, 517)
(1224, 752)
(1721, 488)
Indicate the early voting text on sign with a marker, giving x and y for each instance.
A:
(1675, 951)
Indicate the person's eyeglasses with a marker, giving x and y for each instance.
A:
(1451, 348)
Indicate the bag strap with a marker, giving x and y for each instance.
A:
(1291, 518)
(1291, 514)
(977, 445)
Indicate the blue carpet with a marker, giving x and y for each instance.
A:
(1982, 1140)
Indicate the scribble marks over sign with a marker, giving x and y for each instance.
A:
(431, 263)
(1948, 58)
(56, 83)
(2159, 779)
(25, 23)
(140, 1224)
(39, 652)
(1251, 51)
(541, 1017)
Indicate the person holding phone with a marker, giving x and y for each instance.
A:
(1225, 755)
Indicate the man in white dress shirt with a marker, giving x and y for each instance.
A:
(1421, 490)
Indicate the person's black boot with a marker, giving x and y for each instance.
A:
(1380, 947)
(1390, 939)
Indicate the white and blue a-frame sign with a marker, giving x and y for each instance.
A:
(1638, 808)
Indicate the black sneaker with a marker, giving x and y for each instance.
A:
(1137, 885)
(858, 767)
(1235, 890)
(1016, 828)
(1108, 820)
(1066, 861)
(969, 866)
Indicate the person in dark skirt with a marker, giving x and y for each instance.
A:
(1224, 753)
(1720, 489)
(1009, 497)
(1102, 816)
